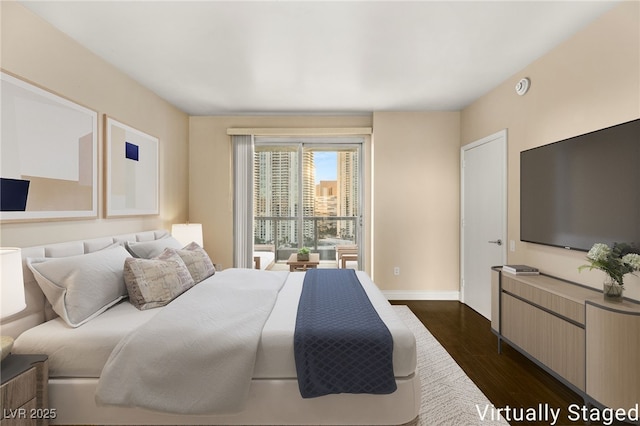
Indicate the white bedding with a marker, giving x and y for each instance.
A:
(83, 351)
(195, 357)
(77, 356)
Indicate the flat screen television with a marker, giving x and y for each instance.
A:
(583, 190)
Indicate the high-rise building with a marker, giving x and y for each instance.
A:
(276, 195)
(326, 203)
(348, 196)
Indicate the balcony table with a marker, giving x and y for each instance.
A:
(303, 265)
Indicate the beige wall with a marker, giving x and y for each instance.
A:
(589, 82)
(416, 199)
(35, 51)
(210, 189)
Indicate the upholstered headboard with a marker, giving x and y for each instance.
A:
(37, 310)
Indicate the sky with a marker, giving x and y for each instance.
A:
(326, 165)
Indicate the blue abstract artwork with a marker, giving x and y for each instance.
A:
(13, 194)
(131, 151)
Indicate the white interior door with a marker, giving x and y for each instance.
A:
(483, 227)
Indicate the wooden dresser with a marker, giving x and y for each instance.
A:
(613, 354)
(590, 344)
(23, 392)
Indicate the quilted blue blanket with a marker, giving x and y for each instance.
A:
(340, 343)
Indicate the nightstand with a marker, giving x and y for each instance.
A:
(23, 392)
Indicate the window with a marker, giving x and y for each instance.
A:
(307, 193)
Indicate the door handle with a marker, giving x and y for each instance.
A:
(498, 242)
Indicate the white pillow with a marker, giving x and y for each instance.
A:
(81, 287)
(149, 249)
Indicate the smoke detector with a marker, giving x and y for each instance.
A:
(523, 86)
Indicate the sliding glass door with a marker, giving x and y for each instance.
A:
(276, 197)
(308, 193)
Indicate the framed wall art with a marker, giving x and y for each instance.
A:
(49, 161)
(131, 171)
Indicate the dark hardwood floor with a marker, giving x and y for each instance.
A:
(507, 379)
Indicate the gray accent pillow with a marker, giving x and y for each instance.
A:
(150, 249)
(197, 260)
(156, 282)
(81, 287)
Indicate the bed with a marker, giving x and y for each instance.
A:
(79, 355)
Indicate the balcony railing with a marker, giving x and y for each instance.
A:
(320, 233)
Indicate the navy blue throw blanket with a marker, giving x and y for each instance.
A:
(340, 343)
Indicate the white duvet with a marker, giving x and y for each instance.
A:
(204, 368)
(83, 352)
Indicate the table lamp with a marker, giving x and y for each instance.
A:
(11, 290)
(186, 233)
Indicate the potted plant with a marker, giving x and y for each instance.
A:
(616, 262)
(303, 253)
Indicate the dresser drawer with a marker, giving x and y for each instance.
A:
(554, 342)
(559, 305)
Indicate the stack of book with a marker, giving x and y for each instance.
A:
(520, 269)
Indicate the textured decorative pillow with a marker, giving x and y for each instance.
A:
(150, 249)
(155, 282)
(81, 287)
(197, 260)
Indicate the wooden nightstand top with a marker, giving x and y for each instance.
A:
(14, 365)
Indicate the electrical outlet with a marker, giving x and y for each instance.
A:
(396, 270)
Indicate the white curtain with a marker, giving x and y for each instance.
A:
(243, 201)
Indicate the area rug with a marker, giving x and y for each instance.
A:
(449, 397)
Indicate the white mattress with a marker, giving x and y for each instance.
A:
(83, 351)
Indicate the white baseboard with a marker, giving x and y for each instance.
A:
(421, 295)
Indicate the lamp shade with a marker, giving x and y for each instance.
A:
(186, 233)
(11, 283)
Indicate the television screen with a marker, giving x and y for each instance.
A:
(583, 190)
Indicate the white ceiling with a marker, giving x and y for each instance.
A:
(268, 57)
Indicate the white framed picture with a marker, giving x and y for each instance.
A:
(49, 161)
(132, 173)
